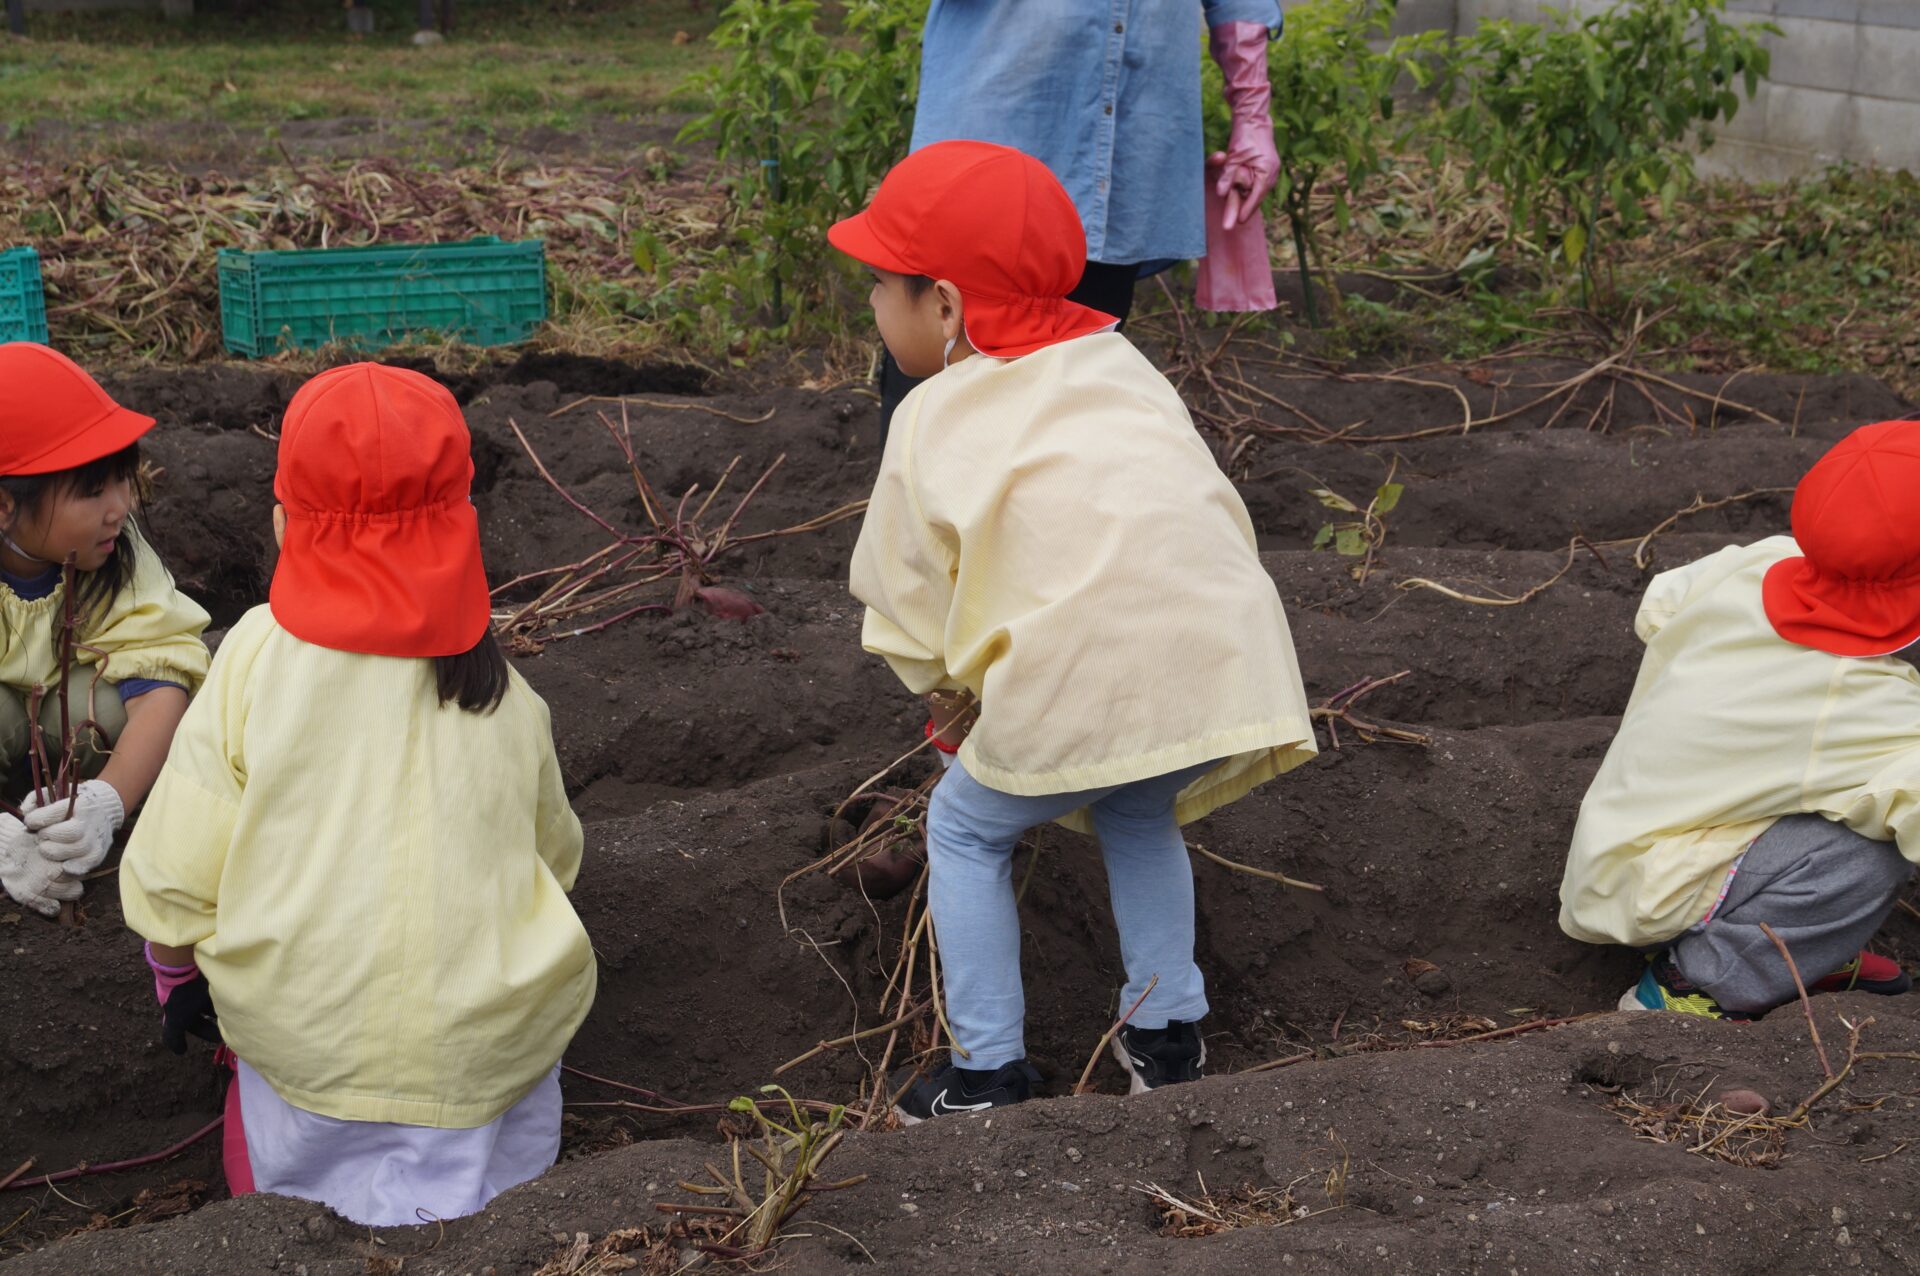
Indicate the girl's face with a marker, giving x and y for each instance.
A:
(70, 520)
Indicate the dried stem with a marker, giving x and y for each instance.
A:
(1806, 1005)
(13, 1184)
(1338, 708)
(1080, 1086)
(1238, 867)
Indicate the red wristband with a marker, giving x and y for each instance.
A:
(938, 743)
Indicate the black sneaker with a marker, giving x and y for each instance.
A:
(953, 1090)
(1154, 1057)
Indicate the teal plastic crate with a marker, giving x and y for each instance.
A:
(23, 302)
(483, 291)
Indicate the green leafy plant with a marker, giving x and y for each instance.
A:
(1363, 534)
(790, 1153)
(1580, 123)
(1333, 73)
(807, 120)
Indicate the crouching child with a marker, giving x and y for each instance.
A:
(1767, 769)
(354, 867)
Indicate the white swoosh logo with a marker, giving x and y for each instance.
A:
(940, 1105)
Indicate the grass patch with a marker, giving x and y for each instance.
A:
(1817, 275)
(507, 59)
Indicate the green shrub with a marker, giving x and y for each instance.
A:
(806, 120)
(1579, 123)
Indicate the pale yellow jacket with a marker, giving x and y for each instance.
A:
(1051, 534)
(1729, 728)
(375, 884)
(151, 630)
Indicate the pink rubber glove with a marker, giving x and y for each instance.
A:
(1248, 168)
(167, 978)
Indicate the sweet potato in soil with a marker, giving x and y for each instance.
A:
(706, 756)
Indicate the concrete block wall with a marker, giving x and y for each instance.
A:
(1845, 83)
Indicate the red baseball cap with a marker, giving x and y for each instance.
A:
(995, 223)
(53, 416)
(382, 551)
(1855, 589)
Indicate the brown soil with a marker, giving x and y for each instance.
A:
(706, 756)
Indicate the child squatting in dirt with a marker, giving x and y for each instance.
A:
(69, 463)
(359, 851)
(1049, 534)
(1767, 769)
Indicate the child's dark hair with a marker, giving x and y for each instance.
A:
(476, 679)
(917, 285)
(30, 493)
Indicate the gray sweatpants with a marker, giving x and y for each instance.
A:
(1823, 888)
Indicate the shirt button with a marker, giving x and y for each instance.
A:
(1119, 28)
(1109, 108)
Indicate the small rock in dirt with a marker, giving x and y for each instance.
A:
(320, 1227)
(1434, 983)
(1745, 1102)
(908, 1207)
(1243, 1141)
(1073, 1154)
(1843, 1238)
(1839, 1216)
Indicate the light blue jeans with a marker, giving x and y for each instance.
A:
(971, 833)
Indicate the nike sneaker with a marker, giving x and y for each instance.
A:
(956, 1091)
(1154, 1057)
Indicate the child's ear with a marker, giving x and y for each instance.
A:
(951, 306)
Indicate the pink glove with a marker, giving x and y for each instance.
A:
(1250, 165)
(167, 978)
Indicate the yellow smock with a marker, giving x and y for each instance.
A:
(374, 883)
(1051, 533)
(1729, 728)
(151, 630)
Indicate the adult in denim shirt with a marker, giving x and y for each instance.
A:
(1106, 93)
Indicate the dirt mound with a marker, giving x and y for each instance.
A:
(706, 756)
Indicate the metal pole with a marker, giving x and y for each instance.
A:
(17, 16)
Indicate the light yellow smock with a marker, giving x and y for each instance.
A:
(374, 883)
(1729, 728)
(151, 630)
(1050, 533)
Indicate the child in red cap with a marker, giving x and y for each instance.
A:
(1767, 769)
(69, 461)
(360, 848)
(1050, 536)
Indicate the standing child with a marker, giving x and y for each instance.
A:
(1049, 534)
(69, 462)
(1767, 769)
(360, 849)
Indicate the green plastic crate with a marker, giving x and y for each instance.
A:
(483, 291)
(23, 302)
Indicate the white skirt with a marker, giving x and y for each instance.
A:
(384, 1175)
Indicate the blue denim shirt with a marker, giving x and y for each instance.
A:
(1106, 93)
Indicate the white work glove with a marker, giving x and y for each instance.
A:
(76, 844)
(27, 876)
